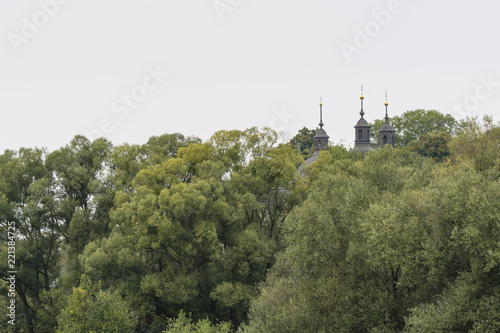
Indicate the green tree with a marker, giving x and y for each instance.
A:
(433, 145)
(304, 141)
(126, 161)
(58, 203)
(27, 202)
(273, 184)
(344, 268)
(183, 324)
(388, 243)
(82, 198)
(51, 304)
(228, 148)
(101, 311)
(236, 148)
(465, 254)
(335, 154)
(160, 148)
(477, 143)
(197, 231)
(412, 124)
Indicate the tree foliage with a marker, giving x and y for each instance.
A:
(101, 311)
(433, 145)
(133, 237)
(477, 143)
(412, 124)
(183, 324)
(304, 141)
(389, 243)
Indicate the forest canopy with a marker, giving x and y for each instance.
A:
(181, 235)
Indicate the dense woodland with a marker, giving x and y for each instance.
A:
(180, 235)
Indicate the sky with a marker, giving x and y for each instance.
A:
(131, 69)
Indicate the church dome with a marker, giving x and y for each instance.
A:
(386, 128)
(362, 123)
(320, 134)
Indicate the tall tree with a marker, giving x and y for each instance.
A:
(27, 202)
(304, 141)
(82, 197)
(203, 226)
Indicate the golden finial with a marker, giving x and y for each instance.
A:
(386, 103)
(320, 100)
(361, 98)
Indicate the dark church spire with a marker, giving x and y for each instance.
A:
(386, 131)
(320, 141)
(362, 130)
(321, 138)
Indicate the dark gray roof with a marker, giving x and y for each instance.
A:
(386, 128)
(362, 123)
(321, 133)
(310, 160)
(363, 147)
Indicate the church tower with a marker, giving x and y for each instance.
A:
(362, 131)
(386, 131)
(321, 138)
(320, 142)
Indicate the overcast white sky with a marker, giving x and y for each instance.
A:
(67, 67)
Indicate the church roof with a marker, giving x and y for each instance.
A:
(320, 142)
(320, 134)
(307, 162)
(362, 123)
(386, 128)
(363, 148)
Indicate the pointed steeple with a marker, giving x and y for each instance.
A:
(321, 138)
(386, 103)
(386, 131)
(320, 141)
(362, 130)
